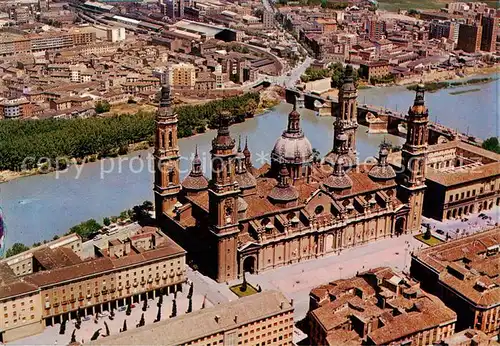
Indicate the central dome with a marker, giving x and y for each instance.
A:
(292, 147)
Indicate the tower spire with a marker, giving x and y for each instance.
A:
(167, 181)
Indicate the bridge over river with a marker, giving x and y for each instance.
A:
(377, 119)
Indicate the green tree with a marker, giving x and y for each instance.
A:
(15, 249)
(106, 221)
(102, 107)
(427, 234)
(492, 144)
(86, 229)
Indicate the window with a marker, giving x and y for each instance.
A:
(319, 209)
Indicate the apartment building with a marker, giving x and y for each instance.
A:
(465, 274)
(11, 44)
(183, 76)
(469, 38)
(15, 108)
(377, 307)
(489, 32)
(57, 282)
(265, 318)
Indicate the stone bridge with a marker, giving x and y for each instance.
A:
(377, 119)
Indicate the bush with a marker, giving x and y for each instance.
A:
(492, 144)
(86, 229)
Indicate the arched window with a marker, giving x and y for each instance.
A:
(170, 139)
(171, 176)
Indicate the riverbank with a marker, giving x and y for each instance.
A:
(442, 76)
(267, 100)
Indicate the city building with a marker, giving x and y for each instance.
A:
(264, 318)
(174, 9)
(469, 38)
(115, 34)
(444, 28)
(489, 32)
(253, 219)
(268, 19)
(465, 274)
(377, 307)
(469, 337)
(15, 108)
(376, 29)
(52, 282)
(376, 69)
(182, 76)
(461, 179)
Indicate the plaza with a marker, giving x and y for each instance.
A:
(51, 336)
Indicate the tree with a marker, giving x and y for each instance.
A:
(145, 305)
(15, 249)
(129, 310)
(190, 292)
(492, 144)
(190, 306)
(158, 315)
(62, 328)
(174, 308)
(124, 328)
(141, 321)
(107, 328)
(96, 335)
(86, 229)
(244, 285)
(106, 221)
(102, 107)
(427, 234)
(160, 300)
(73, 337)
(204, 301)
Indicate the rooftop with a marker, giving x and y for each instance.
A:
(205, 322)
(469, 266)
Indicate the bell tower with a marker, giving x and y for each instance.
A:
(413, 157)
(223, 198)
(166, 156)
(348, 109)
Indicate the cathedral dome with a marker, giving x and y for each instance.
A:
(292, 147)
(195, 181)
(283, 191)
(338, 180)
(382, 171)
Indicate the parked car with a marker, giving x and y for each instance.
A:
(122, 308)
(439, 231)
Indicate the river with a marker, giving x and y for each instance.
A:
(39, 207)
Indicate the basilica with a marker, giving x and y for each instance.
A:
(251, 219)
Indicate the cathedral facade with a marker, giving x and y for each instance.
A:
(253, 219)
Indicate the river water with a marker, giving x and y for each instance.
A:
(39, 207)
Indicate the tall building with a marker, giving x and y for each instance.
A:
(252, 219)
(265, 318)
(376, 29)
(182, 76)
(465, 274)
(174, 9)
(469, 38)
(268, 19)
(167, 180)
(489, 31)
(377, 307)
(446, 29)
(413, 156)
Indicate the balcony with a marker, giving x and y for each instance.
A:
(80, 298)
